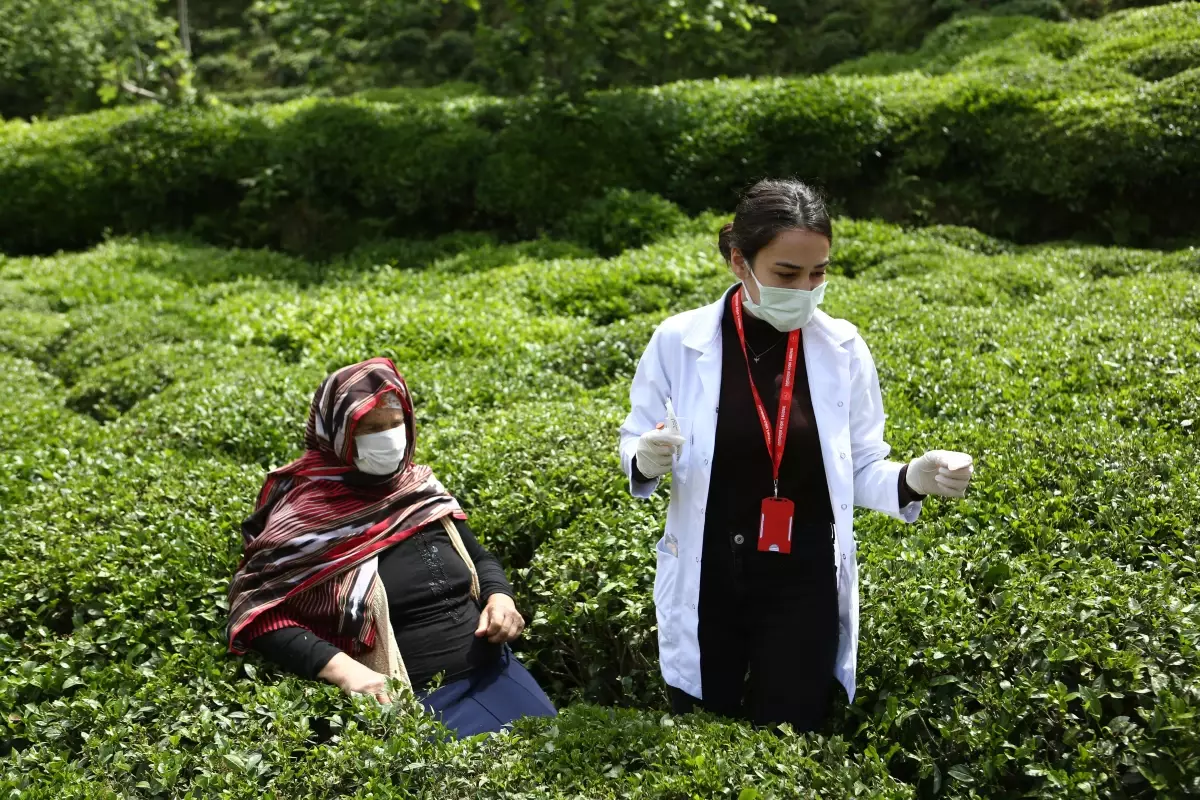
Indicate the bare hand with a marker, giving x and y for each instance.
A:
(354, 678)
(500, 621)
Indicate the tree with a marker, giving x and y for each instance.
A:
(185, 35)
(63, 57)
(567, 46)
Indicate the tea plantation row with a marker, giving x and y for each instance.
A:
(1039, 639)
(1088, 128)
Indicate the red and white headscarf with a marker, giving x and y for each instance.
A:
(312, 543)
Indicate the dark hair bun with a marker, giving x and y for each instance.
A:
(770, 207)
(725, 241)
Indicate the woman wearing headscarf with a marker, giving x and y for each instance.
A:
(359, 566)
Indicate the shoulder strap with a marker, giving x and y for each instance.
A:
(456, 540)
(385, 656)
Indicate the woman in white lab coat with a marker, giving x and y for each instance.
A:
(768, 414)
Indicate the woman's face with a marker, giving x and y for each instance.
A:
(379, 418)
(794, 259)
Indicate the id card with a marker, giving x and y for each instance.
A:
(775, 530)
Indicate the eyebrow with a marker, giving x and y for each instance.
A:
(790, 265)
(377, 423)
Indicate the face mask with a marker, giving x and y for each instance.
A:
(381, 453)
(785, 309)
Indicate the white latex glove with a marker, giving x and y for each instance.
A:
(940, 472)
(655, 452)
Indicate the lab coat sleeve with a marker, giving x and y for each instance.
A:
(875, 478)
(647, 399)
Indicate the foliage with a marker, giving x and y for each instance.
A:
(622, 220)
(1039, 639)
(62, 57)
(347, 46)
(512, 47)
(1152, 44)
(56, 56)
(945, 47)
(564, 47)
(1109, 155)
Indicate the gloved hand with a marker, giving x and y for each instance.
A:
(940, 472)
(655, 450)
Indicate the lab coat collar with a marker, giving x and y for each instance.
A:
(706, 324)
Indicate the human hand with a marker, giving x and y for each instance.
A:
(500, 620)
(355, 678)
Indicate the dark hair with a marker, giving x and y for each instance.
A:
(767, 209)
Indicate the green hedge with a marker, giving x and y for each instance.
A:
(1052, 133)
(1040, 639)
(1123, 40)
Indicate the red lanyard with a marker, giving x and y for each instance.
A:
(775, 444)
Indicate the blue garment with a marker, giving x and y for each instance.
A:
(490, 699)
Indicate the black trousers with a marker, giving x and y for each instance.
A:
(768, 630)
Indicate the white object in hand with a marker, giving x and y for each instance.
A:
(673, 425)
(941, 472)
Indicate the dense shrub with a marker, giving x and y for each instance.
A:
(222, 70)
(1164, 60)
(253, 97)
(1040, 639)
(1108, 154)
(944, 48)
(590, 589)
(1122, 40)
(622, 220)
(1052, 10)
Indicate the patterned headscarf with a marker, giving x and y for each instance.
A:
(312, 543)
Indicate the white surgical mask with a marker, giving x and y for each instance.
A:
(381, 453)
(785, 309)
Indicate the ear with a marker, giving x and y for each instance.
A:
(738, 263)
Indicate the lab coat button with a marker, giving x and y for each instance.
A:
(840, 404)
(843, 506)
(843, 455)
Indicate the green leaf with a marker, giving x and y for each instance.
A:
(960, 773)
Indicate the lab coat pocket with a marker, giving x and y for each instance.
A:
(666, 578)
(667, 567)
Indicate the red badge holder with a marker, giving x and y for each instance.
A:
(775, 530)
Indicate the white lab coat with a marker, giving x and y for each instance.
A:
(683, 362)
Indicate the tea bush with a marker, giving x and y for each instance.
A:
(1039, 639)
(1106, 110)
(622, 220)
